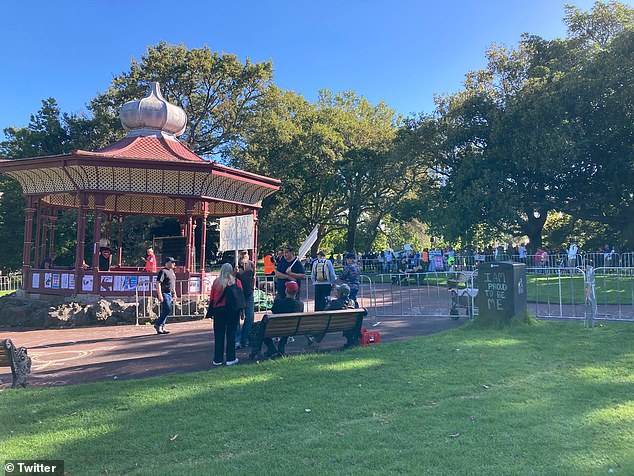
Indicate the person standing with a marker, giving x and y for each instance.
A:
(351, 276)
(225, 318)
(323, 277)
(246, 276)
(150, 261)
(522, 253)
(105, 255)
(289, 268)
(572, 255)
(269, 264)
(165, 292)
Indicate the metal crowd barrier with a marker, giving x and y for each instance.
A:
(191, 303)
(10, 283)
(552, 293)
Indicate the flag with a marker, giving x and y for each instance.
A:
(310, 241)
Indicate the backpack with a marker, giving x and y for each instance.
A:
(235, 298)
(321, 272)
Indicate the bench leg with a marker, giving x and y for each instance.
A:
(20, 366)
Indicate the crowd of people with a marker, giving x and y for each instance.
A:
(231, 301)
(450, 259)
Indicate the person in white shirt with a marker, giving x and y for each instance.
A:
(572, 255)
(522, 252)
(323, 277)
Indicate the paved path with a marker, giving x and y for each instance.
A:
(79, 355)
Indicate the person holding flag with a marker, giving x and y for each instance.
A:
(289, 268)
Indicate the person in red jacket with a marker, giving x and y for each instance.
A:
(225, 319)
(150, 261)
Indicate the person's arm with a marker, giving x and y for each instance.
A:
(331, 274)
(298, 273)
(159, 291)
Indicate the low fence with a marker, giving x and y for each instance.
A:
(552, 293)
(191, 302)
(10, 283)
(470, 262)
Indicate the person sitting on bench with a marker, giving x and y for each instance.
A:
(283, 305)
(343, 301)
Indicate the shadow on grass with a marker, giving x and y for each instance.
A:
(468, 401)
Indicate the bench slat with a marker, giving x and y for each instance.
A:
(312, 323)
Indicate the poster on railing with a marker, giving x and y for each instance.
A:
(125, 283)
(236, 233)
(106, 283)
(35, 280)
(143, 284)
(87, 283)
(194, 285)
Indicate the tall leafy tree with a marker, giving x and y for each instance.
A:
(519, 142)
(335, 160)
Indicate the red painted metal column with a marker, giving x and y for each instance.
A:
(39, 242)
(81, 240)
(108, 227)
(254, 256)
(189, 233)
(29, 211)
(203, 239)
(99, 206)
(120, 257)
(51, 244)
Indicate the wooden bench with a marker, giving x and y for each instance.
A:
(18, 360)
(305, 324)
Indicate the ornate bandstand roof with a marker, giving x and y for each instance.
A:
(147, 172)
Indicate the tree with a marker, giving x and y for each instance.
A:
(336, 162)
(536, 132)
(46, 134)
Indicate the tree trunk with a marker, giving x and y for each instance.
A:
(322, 231)
(353, 220)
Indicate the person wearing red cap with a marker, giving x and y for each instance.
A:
(289, 268)
(282, 305)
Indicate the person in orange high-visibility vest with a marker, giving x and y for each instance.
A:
(425, 260)
(269, 264)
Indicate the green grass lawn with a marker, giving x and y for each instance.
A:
(550, 398)
(608, 289)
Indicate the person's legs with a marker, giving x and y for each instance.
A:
(353, 296)
(249, 311)
(233, 319)
(165, 311)
(238, 334)
(270, 346)
(282, 345)
(220, 328)
(321, 292)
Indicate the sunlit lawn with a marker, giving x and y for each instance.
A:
(551, 398)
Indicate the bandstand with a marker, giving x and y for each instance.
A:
(148, 172)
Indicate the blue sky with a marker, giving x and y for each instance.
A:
(402, 52)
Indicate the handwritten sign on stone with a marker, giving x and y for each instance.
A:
(501, 290)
